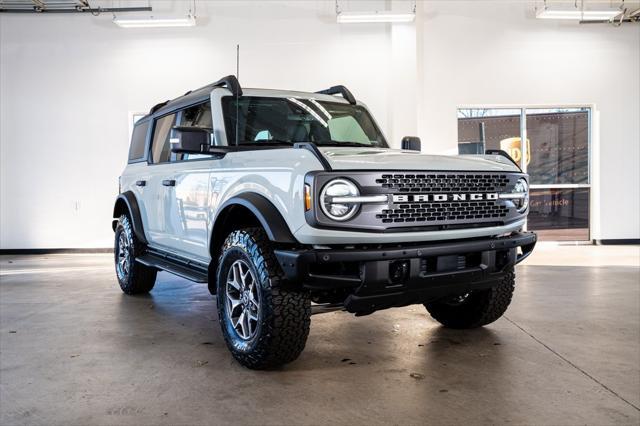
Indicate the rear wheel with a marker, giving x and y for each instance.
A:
(263, 323)
(133, 277)
(476, 308)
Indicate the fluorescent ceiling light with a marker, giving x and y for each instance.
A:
(579, 15)
(363, 17)
(151, 22)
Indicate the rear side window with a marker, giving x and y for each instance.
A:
(138, 139)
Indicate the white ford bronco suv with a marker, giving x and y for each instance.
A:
(289, 203)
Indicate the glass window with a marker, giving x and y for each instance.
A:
(161, 149)
(556, 155)
(288, 120)
(482, 129)
(346, 129)
(195, 116)
(559, 146)
(559, 214)
(138, 141)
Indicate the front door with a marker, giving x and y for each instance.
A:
(178, 188)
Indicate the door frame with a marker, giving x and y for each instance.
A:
(593, 144)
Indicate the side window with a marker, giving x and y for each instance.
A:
(138, 139)
(160, 148)
(195, 116)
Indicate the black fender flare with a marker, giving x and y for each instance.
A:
(128, 200)
(267, 214)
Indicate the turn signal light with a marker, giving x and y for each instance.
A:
(307, 198)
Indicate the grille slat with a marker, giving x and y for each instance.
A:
(447, 211)
(443, 183)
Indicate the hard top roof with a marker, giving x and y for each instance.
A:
(201, 94)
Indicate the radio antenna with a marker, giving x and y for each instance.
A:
(237, 96)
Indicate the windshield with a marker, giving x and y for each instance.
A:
(269, 121)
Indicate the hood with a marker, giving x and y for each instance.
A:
(395, 159)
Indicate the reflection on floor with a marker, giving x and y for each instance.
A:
(75, 350)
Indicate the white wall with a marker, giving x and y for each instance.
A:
(495, 52)
(68, 83)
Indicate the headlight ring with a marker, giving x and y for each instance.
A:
(339, 188)
(521, 187)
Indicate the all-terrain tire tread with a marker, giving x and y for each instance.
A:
(141, 277)
(289, 311)
(482, 308)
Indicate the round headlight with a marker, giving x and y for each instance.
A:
(338, 188)
(521, 187)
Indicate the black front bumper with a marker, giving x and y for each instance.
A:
(399, 276)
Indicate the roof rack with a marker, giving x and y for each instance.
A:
(158, 106)
(339, 90)
(231, 83)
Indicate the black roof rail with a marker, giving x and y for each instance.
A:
(158, 106)
(339, 90)
(231, 83)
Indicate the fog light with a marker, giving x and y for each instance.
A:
(399, 272)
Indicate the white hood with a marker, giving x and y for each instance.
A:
(394, 159)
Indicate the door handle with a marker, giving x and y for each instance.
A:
(141, 183)
(169, 182)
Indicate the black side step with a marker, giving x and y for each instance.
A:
(184, 269)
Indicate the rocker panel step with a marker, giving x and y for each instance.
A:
(184, 269)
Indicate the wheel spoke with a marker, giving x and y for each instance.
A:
(242, 325)
(243, 299)
(232, 304)
(243, 276)
(252, 316)
(235, 321)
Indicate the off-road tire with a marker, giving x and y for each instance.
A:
(139, 279)
(479, 308)
(282, 327)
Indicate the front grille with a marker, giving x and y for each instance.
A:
(429, 183)
(449, 211)
(423, 200)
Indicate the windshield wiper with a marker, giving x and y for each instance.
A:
(349, 144)
(270, 142)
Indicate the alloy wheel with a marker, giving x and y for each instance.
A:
(243, 300)
(122, 262)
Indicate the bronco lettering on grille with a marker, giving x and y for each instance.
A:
(419, 198)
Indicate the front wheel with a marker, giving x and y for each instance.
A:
(475, 309)
(263, 323)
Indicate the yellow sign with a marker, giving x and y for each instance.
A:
(513, 147)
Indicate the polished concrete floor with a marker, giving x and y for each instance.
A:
(75, 351)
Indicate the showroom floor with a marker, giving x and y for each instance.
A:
(74, 350)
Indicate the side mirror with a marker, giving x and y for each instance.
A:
(411, 143)
(194, 140)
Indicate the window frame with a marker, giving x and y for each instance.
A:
(591, 146)
(227, 124)
(145, 150)
(150, 160)
(178, 113)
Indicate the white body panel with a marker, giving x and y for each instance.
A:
(395, 159)
(179, 219)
